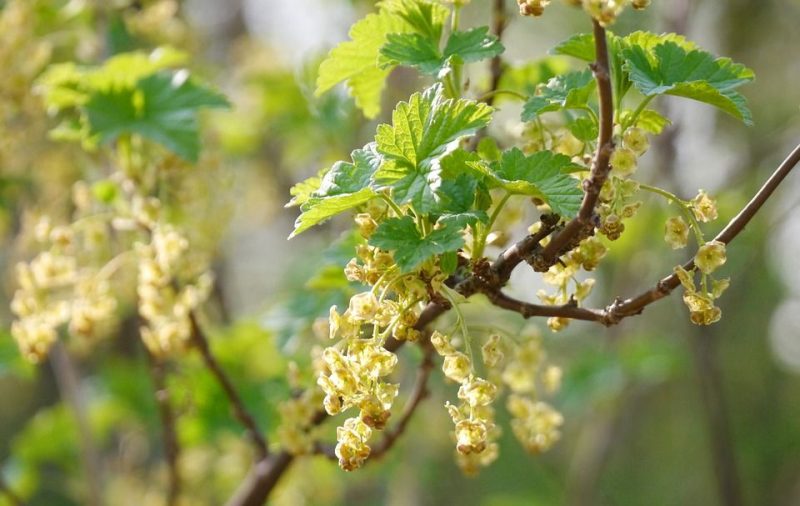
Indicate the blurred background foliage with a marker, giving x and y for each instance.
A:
(657, 411)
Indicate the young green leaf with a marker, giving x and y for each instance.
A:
(354, 61)
(650, 120)
(695, 74)
(584, 129)
(318, 209)
(543, 175)
(423, 130)
(357, 60)
(473, 45)
(568, 91)
(343, 187)
(345, 177)
(410, 248)
(161, 107)
(411, 50)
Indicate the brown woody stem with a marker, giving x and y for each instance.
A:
(240, 412)
(605, 147)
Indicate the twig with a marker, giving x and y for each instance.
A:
(634, 305)
(499, 23)
(240, 412)
(605, 147)
(419, 393)
(69, 386)
(167, 415)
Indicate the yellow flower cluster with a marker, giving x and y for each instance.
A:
(700, 302)
(53, 291)
(297, 432)
(561, 275)
(164, 302)
(535, 423)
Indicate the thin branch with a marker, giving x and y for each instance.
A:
(605, 147)
(499, 23)
(712, 396)
(418, 394)
(167, 415)
(621, 309)
(635, 305)
(240, 412)
(528, 310)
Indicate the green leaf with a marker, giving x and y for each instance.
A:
(488, 149)
(423, 130)
(410, 248)
(161, 107)
(354, 61)
(652, 121)
(304, 190)
(584, 129)
(543, 175)
(568, 91)
(424, 17)
(670, 69)
(473, 45)
(343, 187)
(414, 50)
(357, 60)
(66, 85)
(411, 50)
(580, 46)
(461, 220)
(346, 177)
(525, 78)
(318, 209)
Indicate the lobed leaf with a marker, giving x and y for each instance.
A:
(543, 174)
(411, 249)
(568, 91)
(161, 107)
(670, 69)
(423, 130)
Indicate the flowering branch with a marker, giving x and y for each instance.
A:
(605, 147)
(240, 412)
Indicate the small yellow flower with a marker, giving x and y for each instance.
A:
(704, 207)
(676, 232)
(710, 256)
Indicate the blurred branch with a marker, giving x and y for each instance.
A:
(167, 415)
(712, 396)
(419, 393)
(605, 147)
(240, 412)
(635, 305)
(499, 23)
(9, 494)
(69, 386)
